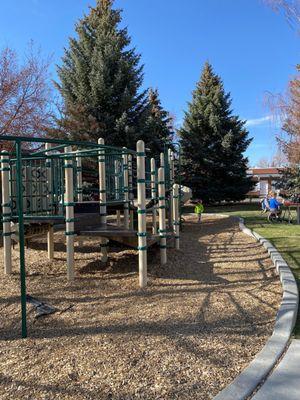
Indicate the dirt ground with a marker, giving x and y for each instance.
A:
(200, 321)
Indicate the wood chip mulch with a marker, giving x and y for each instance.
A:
(201, 320)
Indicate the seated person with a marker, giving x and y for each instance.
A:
(274, 204)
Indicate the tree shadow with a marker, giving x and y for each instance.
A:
(167, 283)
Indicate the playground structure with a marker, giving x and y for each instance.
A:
(43, 187)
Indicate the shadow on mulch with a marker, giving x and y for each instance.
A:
(60, 246)
(115, 265)
(243, 325)
(121, 265)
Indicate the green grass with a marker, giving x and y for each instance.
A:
(285, 237)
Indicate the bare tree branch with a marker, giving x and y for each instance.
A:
(25, 95)
(287, 107)
(290, 8)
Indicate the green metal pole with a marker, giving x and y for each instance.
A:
(21, 235)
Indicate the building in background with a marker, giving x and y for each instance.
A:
(264, 179)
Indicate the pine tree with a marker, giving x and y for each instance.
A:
(100, 81)
(159, 130)
(213, 142)
(289, 180)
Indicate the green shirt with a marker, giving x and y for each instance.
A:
(199, 208)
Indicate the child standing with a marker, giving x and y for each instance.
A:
(274, 205)
(199, 209)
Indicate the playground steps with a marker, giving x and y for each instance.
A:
(107, 231)
(35, 227)
(93, 207)
(119, 234)
(284, 382)
(133, 241)
(88, 223)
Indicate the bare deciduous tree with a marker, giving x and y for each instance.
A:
(291, 9)
(286, 107)
(291, 124)
(263, 163)
(24, 94)
(276, 160)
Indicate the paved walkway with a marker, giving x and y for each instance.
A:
(284, 382)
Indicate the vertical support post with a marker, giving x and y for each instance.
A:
(153, 196)
(69, 204)
(173, 172)
(162, 160)
(79, 188)
(130, 183)
(102, 198)
(176, 222)
(162, 215)
(19, 185)
(50, 242)
(6, 212)
(28, 187)
(34, 191)
(79, 179)
(173, 166)
(126, 188)
(162, 165)
(141, 200)
(170, 160)
(49, 189)
(117, 190)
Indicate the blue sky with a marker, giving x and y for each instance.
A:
(253, 49)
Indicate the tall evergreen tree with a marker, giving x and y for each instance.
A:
(100, 81)
(159, 129)
(213, 142)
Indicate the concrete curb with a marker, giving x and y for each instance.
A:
(254, 374)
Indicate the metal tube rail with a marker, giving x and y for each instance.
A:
(55, 141)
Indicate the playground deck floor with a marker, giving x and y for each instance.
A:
(200, 321)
